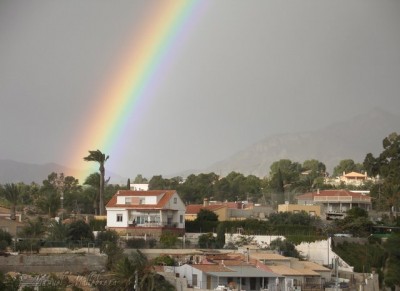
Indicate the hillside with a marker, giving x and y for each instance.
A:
(352, 138)
(14, 172)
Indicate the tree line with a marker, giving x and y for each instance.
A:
(285, 180)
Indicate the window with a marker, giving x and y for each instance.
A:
(141, 201)
(119, 217)
(175, 200)
(194, 279)
(128, 200)
(181, 218)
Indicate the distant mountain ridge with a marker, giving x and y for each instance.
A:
(15, 172)
(349, 139)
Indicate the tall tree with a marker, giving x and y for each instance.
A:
(346, 166)
(389, 159)
(93, 180)
(11, 193)
(387, 165)
(135, 273)
(99, 157)
(315, 166)
(289, 171)
(140, 179)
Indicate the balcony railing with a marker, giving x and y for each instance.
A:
(342, 199)
(153, 224)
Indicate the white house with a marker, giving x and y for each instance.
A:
(146, 212)
(230, 273)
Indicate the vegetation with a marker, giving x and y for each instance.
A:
(135, 272)
(164, 260)
(5, 239)
(207, 241)
(100, 158)
(168, 239)
(285, 248)
(11, 192)
(286, 179)
(206, 215)
(386, 166)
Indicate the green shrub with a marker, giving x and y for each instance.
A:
(5, 236)
(136, 243)
(28, 245)
(97, 224)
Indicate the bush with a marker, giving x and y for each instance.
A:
(80, 230)
(108, 235)
(5, 236)
(28, 245)
(168, 239)
(164, 260)
(207, 241)
(97, 224)
(136, 243)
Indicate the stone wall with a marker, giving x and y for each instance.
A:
(76, 263)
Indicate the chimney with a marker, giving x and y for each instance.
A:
(318, 191)
(205, 202)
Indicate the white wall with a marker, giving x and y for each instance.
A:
(112, 218)
(319, 252)
(187, 271)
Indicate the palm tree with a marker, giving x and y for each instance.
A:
(135, 273)
(93, 180)
(34, 228)
(11, 193)
(99, 157)
(57, 231)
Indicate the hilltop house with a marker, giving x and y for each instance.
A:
(352, 178)
(146, 212)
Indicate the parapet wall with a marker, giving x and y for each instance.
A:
(75, 263)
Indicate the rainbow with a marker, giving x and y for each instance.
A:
(137, 76)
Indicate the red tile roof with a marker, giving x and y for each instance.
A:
(211, 268)
(166, 196)
(354, 175)
(331, 193)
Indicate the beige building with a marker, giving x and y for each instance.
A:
(227, 211)
(352, 178)
(13, 227)
(297, 273)
(313, 210)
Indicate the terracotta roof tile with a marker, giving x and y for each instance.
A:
(195, 208)
(314, 266)
(269, 256)
(166, 196)
(354, 174)
(212, 268)
(285, 270)
(331, 193)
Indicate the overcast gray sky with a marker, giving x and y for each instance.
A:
(246, 70)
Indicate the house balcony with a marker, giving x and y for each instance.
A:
(152, 224)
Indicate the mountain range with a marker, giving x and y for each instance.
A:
(352, 138)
